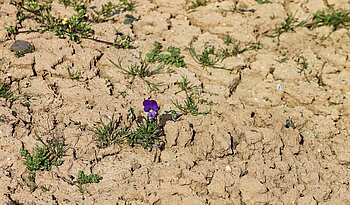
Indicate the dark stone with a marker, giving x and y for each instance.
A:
(22, 47)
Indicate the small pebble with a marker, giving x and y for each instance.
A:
(22, 47)
(280, 87)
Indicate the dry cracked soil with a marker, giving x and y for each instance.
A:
(275, 134)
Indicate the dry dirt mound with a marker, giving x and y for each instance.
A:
(277, 131)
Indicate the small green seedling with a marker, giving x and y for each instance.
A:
(283, 58)
(169, 56)
(263, 1)
(5, 92)
(88, 179)
(110, 9)
(304, 65)
(143, 70)
(190, 104)
(331, 17)
(197, 3)
(43, 158)
(209, 57)
(289, 25)
(111, 132)
(122, 41)
(74, 75)
(237, 49)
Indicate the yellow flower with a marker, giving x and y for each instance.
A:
(64, 21)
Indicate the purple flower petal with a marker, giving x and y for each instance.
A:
(150, 105)
(152, 114)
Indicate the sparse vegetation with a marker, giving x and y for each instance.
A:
(197, 3)
(169, 56)
(5, 92)
(76, 26)
(143, 70)
(331, 17)
(111, 132)
(192, 99)
(43, 158)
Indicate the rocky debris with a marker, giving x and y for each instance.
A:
(21, 46)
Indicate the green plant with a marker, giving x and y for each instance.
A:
(88, 179)
(304, 65)
(169, 56)
(143, 70)
(209, 57)
(290, 24)
(146, 134)
(74, 75)
(235, 8)
(5, 92)
(19, 54)
(192, 99)
(75, 26)
(237, 49)
(110, 133)
(44, 157)
(283, 58)
(197, 3)
(186, 86)
(331, 17)
(122, 41)
(11, 29)
(110, 9)
(190, 106)
(263, 1)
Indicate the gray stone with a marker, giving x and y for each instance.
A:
(22, 47)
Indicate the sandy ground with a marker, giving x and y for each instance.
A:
(241, 153)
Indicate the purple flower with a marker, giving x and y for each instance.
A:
(151, 107)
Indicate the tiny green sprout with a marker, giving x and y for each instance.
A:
(227, 39)
(289, 25)
(304, 65)
(283, 58)
(74, 75)
(5, 92)
(19, 54)
(289, 123)
(110, 9)
(110, 133)
(197, 3)
(44, 157)
(122, 41)
(12, 29)
(88, 179)
(263, 1)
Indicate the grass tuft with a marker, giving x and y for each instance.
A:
(110, 133)
(143, 70)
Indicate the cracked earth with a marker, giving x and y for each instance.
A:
(241, 153)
